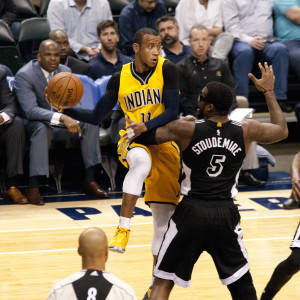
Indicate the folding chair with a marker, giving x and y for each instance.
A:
(9, 53)
(36, 30)
(24, 9)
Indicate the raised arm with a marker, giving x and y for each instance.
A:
(179, 131)
(266, 133)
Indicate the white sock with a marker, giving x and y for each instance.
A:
(124, 222)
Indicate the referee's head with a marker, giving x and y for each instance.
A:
(93, 248)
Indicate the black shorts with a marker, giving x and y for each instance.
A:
(198, 226)
(296, 240)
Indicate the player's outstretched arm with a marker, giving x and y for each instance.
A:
(295, 176)
(275, 131)
(179, 131)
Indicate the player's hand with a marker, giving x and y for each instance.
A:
(258, 43)
(134, 129)
(71, 124)
(266, 83)
(296, 189)
(1, 119)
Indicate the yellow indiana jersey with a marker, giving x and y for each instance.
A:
(141, 99)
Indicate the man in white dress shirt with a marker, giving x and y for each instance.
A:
(207, 13)
(79, 20)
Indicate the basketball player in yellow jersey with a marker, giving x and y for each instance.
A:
(147, 90)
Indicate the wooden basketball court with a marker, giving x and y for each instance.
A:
(38, 246)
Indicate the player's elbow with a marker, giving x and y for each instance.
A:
(285, 133)
(173, 115)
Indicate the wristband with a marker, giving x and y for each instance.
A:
(268, 91)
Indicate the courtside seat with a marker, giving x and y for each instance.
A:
(9, 52)
(24, 9)
(35, 30)
(91, 93)
(43, 8)
(171, 6)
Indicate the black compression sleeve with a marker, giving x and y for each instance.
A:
(95, 116)
(170, 97)
(146, 138)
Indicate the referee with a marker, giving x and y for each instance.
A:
(92, 282)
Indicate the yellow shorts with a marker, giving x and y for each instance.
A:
(162, 184)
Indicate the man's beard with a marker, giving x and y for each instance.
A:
(199, 114)
(170, 42)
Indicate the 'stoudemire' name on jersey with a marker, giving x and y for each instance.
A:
(216, 142)
(143, 97)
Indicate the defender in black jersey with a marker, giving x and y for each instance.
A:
(207, 219)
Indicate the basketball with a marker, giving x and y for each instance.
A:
(64, 90)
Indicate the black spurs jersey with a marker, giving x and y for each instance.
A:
(212, 161)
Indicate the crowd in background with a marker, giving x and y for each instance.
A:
(209, 40)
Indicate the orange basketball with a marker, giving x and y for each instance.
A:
(64, 90)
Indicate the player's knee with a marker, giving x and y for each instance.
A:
(139, 162)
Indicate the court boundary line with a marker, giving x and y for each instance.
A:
(132, 224)
(131, 246)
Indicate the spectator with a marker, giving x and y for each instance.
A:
(77, 66)
(287, 29)
(79, 19)
(12, 138)
(109, 60)
(29, 85)
(136, 15)
(92, 282)
(8, 15)
(172, 49)
(207, 13)
(286, 269)
(251, 24)
(199, 68)
(7, 70)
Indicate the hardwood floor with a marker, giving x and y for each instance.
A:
(39, 246)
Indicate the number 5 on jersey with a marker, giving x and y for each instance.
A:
(216, 167)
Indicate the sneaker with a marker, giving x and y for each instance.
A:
(290, 203)
(148, 293)
(120, 240)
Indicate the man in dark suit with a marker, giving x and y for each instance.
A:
(12, 139)
(29, 85)
(77, 66)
